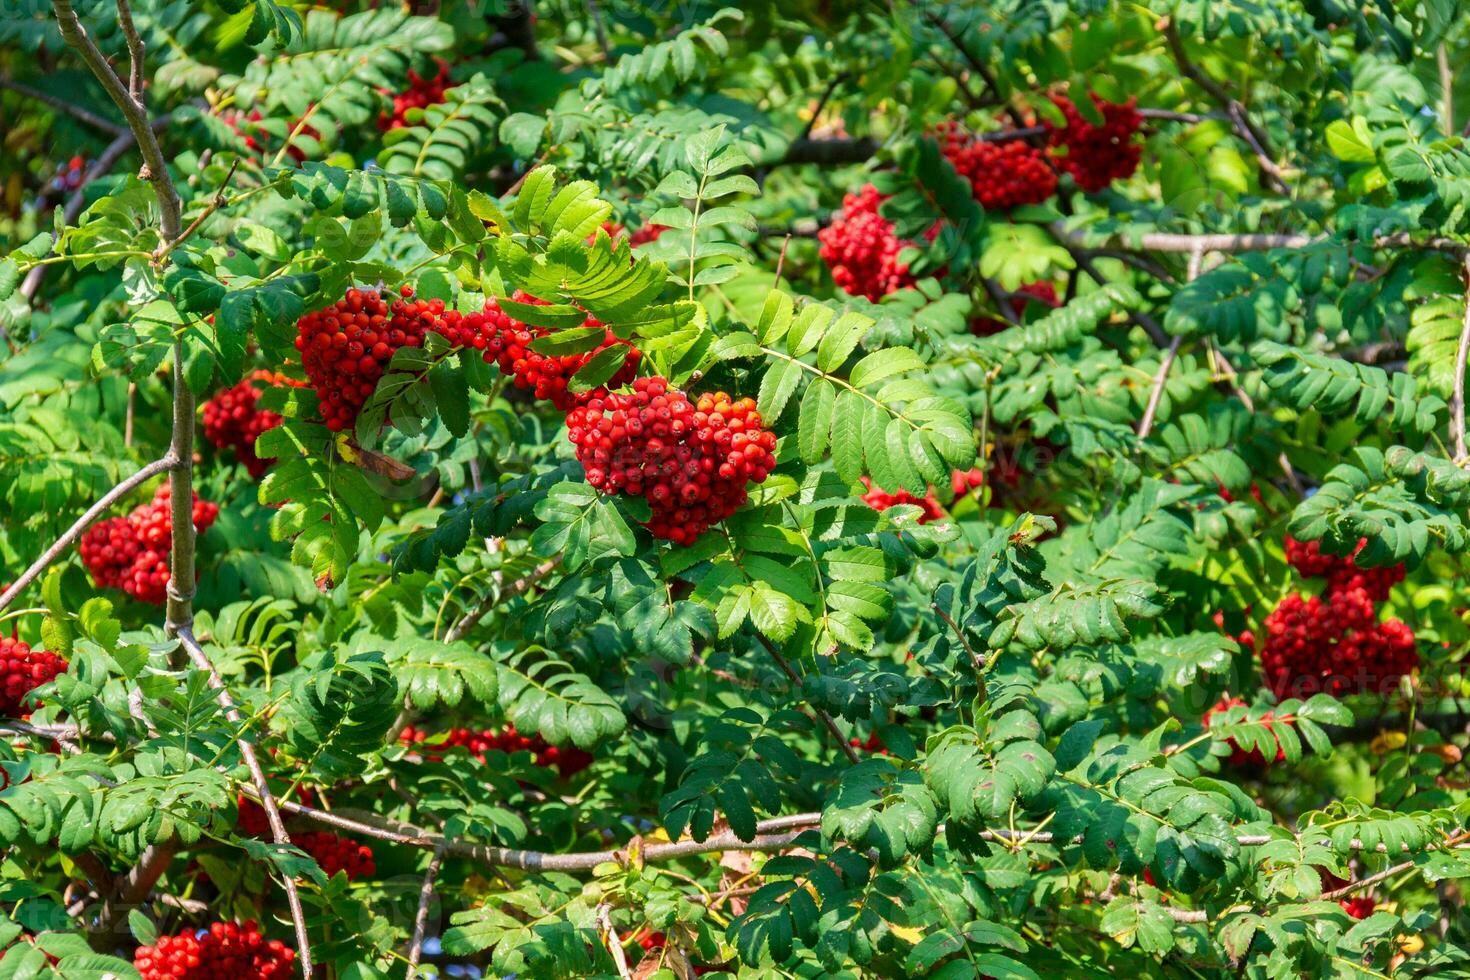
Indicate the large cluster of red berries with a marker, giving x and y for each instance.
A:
(690, 460)
(131, 552)
(346, 347)
(1097, 155)
(861, 249)
(1238, 755)
(1334, 642)
(508, 344)
(232, 420)
(568, 761)
(1040, 291)
(224, 951)
(961, 482)
(1002, 174)
(22, 670)
(420, 94)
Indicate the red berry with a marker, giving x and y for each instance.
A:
(860, 248)
(22, 670)
(1358, 906)
(1097, 155)
(231, 420)
(508, 345)
(568, 760)
(690, 461)
(131, 553)
(224, 951)
(1002, 174)
(421, 93)
(1238, 755)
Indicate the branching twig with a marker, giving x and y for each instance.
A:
(262, 794)
(520, 585)
(82, 523)
(614, 944)
(822, 716)
(1156, 393)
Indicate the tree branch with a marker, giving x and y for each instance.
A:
(64, 542)
(822, 716)
(262, 794)
(155, 167)
(520, 585)
(61, 105)
(1457, 388)
(421, 917)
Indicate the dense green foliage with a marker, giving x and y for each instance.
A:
(985, 733)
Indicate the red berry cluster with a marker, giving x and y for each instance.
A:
(421, 93)
(1358, 906)
(22, 670)
(1097, 155)
(231, 420)
(1032, 292)
(860, 248)
(568, 761)
(131, 553)
(1238, 755)
(871, 745)
(224, 951)
(689, 460)
(247, 127)
(1004, 174)
(961, 482)
(346, 347)
(641, 235)
(69, 175)
(1334, 642)
(332, 852)
(508, 344)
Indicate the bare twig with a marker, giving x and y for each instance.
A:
(421, 917)
(1150, 326)
(134, 887)
(1156, 393)
(520, 585)
(613, 943)
(135, 50)
(262, 794)
(61, 105)
(822, 716)
(781, 261)
(600, 28)
(1243, 242)
(70, 535)
(1457, 389)
(837, 80)
(214, 205)
(845, 149)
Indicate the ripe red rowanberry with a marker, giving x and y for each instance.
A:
(568, 760)
(420, 94)
(131, 553)
(22, 670)
(1238, 755)
(690, 460)
(1002, 174)
(860, 248)
(232, 420)
(508, 346)
(224, 951)
(1097, 155)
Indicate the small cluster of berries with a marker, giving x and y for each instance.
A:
(131, 552)
(871, 745)
(690, 460)
(420, 94)
(1238, 755)
(568, 761)
(22, 670)
(641, 235)
(224, 951)
(961, 482)
(248, 127)
(332, 852)
(1032, 292)
(508, 344)
(1334, 643)
(861, 249)
(232, 420)
(69, 175)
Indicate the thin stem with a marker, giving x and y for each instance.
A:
(421, 917)
(81, 524)
(610, 938)
(262, 793)
(61, 105)
(1457, 388)
(179, 612)
(822, 715)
